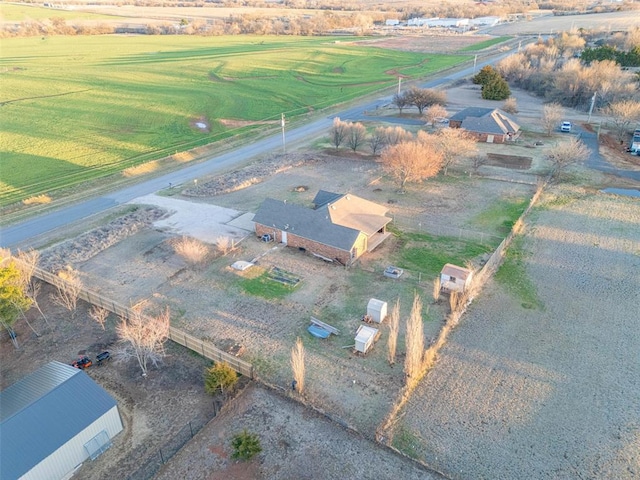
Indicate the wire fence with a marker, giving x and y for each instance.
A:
(172, 446)
(411, 224)
(202, 347)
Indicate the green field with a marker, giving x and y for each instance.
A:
(486, 44)
(77, 108)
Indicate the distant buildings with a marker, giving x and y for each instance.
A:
(452, 23)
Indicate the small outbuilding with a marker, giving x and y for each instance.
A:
(365, 338)
(454, 278)
(377, 310)
(52, 421)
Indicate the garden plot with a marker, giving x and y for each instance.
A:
(547, 391)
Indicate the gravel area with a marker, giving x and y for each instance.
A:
(553, 392)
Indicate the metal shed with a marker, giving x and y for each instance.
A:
(377, 310)
(53, 420)
(365, 336)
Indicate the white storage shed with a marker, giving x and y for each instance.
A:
(377, 310)
(53, 420)
(454, 278)
(365, 337)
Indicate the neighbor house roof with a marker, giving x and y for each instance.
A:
(43, 411)
(486, 120)
(455, 271)
(335, 223)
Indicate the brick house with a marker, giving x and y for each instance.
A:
(340, 227)
(490, 125)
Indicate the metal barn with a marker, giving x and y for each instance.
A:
(53, 420)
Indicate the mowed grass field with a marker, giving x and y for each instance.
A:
(77, 108)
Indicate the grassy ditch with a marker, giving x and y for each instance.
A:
(512, 274)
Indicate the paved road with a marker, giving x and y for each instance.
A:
(23, 234)
(597, 161)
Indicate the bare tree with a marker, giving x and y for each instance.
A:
(338, 132)
(377, 140)
(68, 289)
(510, 105)
(28, 262)
(421, 98)
(411, 162)
(436, 289)
(434, 113)
(452, 144)
(356, 135)
(401, 101)
(414, 340)
(191, 249)
(99, 314)
(622, 115)
(143, 337)
(396, 135)
(394, 324)
(565, 154)
(551, 117)
(225, 244)
(297, 365)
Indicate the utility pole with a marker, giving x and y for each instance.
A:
(399, 83)
(593, 102)
(284, 143)
(475, 60)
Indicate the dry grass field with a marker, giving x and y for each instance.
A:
(550, 392)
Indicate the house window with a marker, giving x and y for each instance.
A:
(452, 279)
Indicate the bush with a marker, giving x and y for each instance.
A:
(497, 89)
(245, 446)
(219, 377)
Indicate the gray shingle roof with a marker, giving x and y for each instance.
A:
(336, 223)
(305, 222)
(323, 197)
(43, 411)
(486, 120)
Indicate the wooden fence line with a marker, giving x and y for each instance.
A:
(202, 347)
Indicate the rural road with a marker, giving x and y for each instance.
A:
(595, 161)
(24, 234)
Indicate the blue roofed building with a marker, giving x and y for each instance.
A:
(53, 420)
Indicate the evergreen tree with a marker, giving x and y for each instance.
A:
(497, 89)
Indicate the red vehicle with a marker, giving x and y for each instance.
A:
(82, 362)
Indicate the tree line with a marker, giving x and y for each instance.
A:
(554, 70)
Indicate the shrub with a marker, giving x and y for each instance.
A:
(219, 377)
(245, 446)
(192, 250)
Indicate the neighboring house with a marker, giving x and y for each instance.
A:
(53, 420)
(454, 278)
(489, 125)
(485, 21)
(340, 228)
